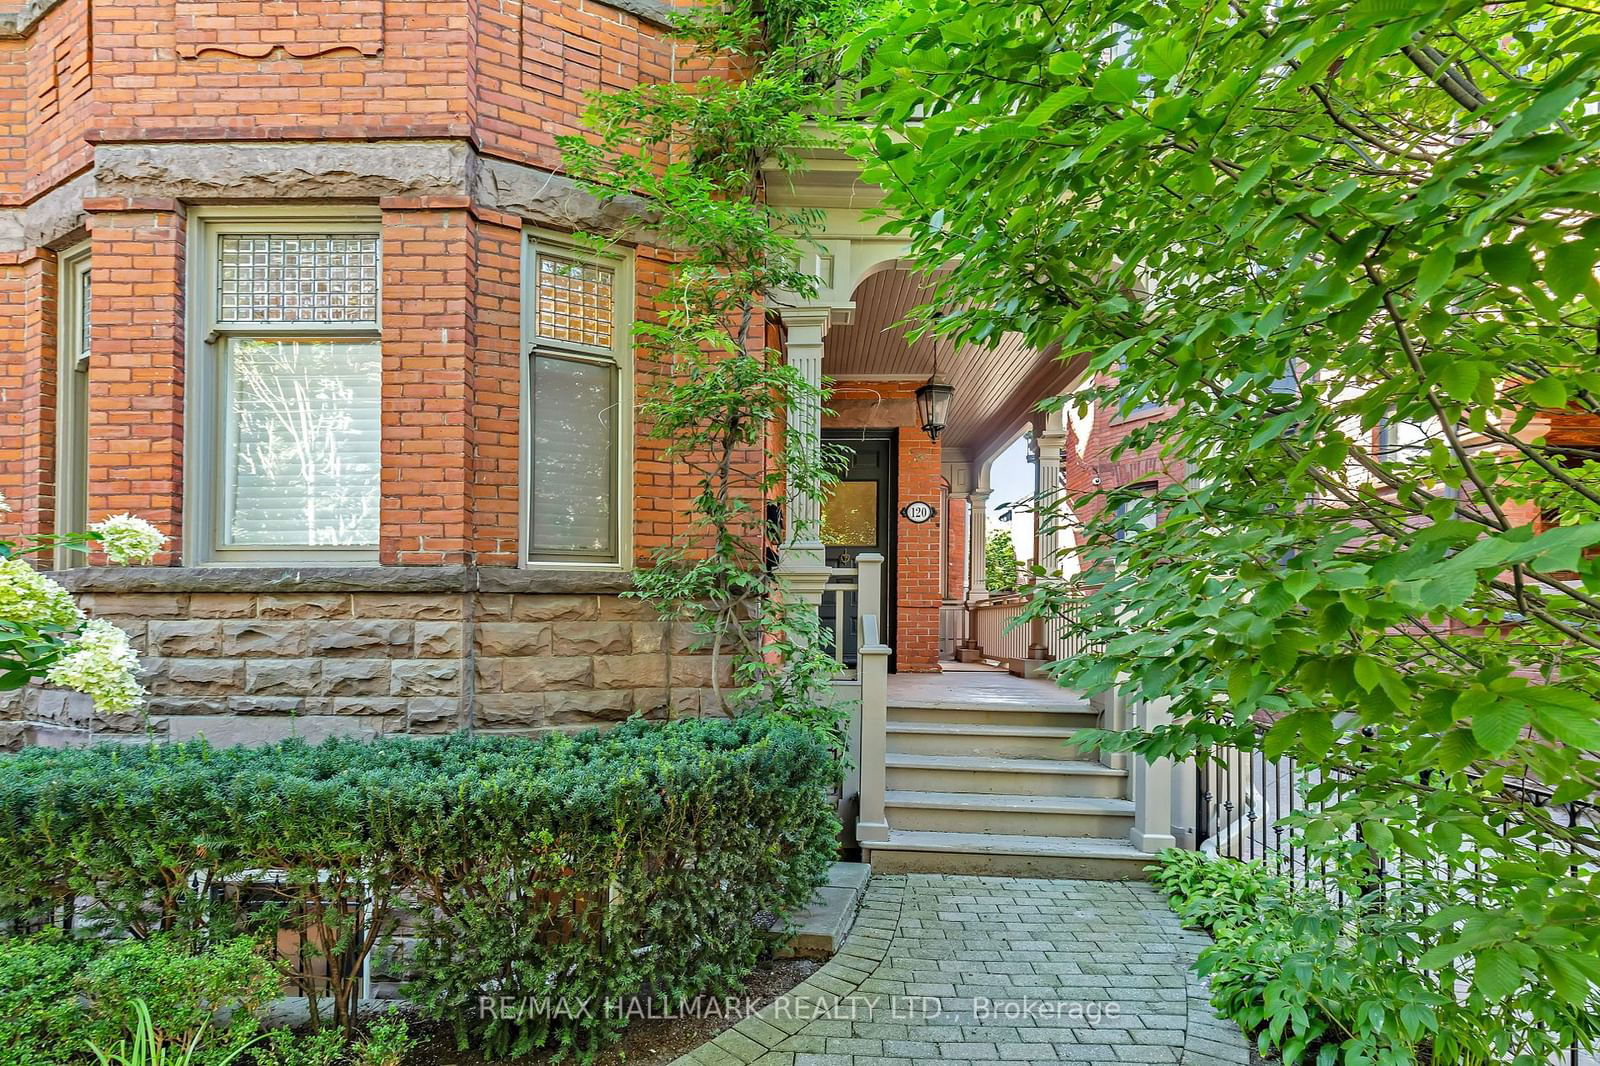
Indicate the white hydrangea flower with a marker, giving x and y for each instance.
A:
(102, 665)
(5, 504)
(128, 538)
(29, 598)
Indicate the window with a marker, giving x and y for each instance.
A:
(286, 458)
(72, 398)
(577, 399)
(1141, 508)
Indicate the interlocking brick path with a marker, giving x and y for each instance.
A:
(965, 971)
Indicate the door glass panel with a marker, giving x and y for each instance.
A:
(850, 515)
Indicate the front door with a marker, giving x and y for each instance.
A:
(858, 517)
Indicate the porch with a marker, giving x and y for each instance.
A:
(971, 769)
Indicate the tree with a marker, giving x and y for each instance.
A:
(1354, 244)
(1000, 562)
(688, 158)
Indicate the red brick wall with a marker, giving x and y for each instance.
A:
(494, 397)
(509, 75)
(28, 388)
(1084, 460)
(46, 104)
(892, 405)
(136, 370)
(429, 251)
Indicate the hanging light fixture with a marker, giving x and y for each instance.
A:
(933, 400)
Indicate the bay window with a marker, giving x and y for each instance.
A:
(577, 384)
(286, 409)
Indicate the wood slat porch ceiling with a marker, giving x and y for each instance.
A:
(996, 388)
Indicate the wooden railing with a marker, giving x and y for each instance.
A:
(999, 634)
(996, 630)
(952, 628)
(839, 615)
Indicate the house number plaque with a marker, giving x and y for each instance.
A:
(918, 512)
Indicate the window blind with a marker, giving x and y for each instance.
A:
(574, 455)
(302, 450)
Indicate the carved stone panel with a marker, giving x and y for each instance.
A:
(297, 27)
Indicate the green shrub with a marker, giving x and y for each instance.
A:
(148, 1047)
(1327, 972)
(182, 989)
(640, 858)
(1209, 891)
(59, 995)
(41, 1021)
(385, 1043)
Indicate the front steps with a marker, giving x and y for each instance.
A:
(990, 786)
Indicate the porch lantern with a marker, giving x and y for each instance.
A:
(933, 404)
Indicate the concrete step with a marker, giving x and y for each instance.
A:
(968, 812)
(821, 926)
(967, 738)
(912, 851)
(1068, 713)
(996, 776)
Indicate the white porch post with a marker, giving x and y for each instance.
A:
(1151, 784)
(1051, 443)
(802, 560)
(977, 560)
(873, 669)
(978, 544)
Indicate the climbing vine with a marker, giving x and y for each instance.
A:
(689, 156)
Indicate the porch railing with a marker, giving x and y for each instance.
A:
(952, 628)
(839, 615)
(1000, 635)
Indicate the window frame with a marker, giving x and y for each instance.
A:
(73, 268)
(620, 359)
(205, 397)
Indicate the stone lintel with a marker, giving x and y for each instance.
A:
(308, 579)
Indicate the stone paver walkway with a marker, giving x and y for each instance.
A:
(977, 970)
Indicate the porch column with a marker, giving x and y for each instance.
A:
(1051, 443)
(802, 560)
(977, 557)
(978, 544)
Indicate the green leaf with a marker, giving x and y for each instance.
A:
(1569, 268)
(1509, 264)
(1495, 974)
(1497, 727)
(1459, 379)
(1434, 272)
(1546, 392)
(1456, 751)
(1312, 730)
(1116, 85)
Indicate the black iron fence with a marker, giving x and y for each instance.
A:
(1249, 807)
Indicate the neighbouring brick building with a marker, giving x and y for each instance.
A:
(297, 283)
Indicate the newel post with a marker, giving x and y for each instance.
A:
(1151, 783)
(873, 671)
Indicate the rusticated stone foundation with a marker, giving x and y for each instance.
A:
(254, 655)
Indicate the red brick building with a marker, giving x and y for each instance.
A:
(296, 282)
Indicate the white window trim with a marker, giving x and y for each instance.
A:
(204, 470)
(72, 406)
(533, 241)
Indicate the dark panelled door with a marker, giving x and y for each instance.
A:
(858, 517)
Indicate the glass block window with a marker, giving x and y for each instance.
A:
(287, 277)
(576, 301)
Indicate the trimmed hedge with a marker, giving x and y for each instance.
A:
(585, 868)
